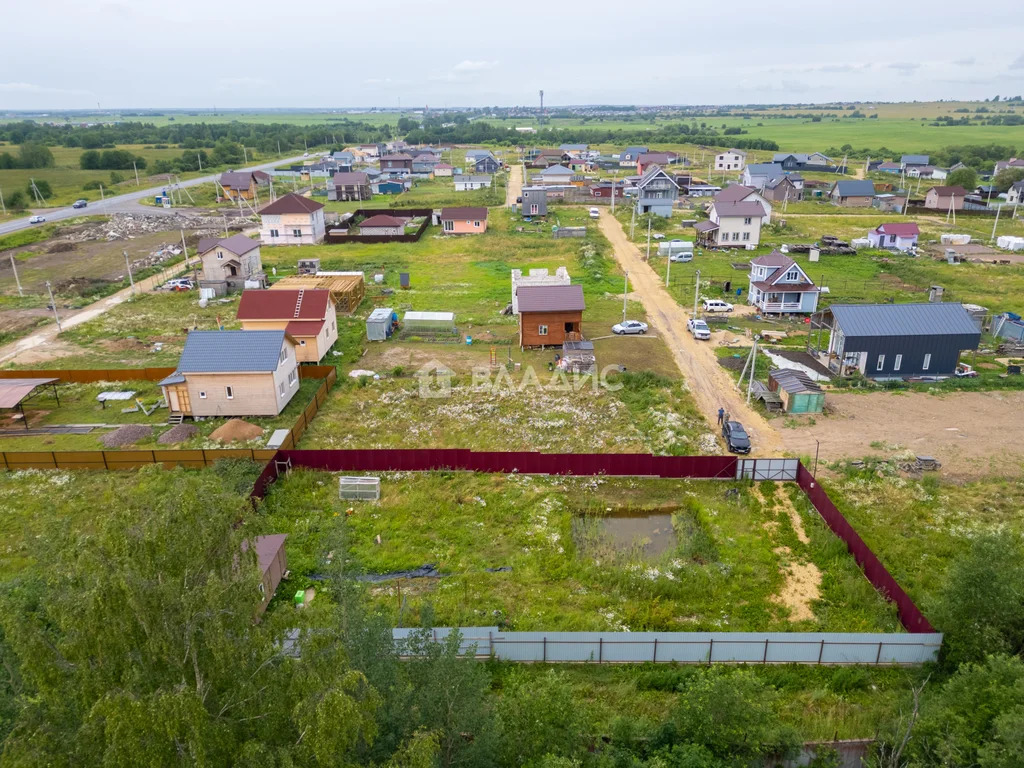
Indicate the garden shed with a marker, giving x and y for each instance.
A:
(381, 324)
(799, 393)
(429, 322)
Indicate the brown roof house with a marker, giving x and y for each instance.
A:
(353, 185)
(272, 562)
(231, 264)
(732, 225)
(243, 184)
(233, 373)
(779, 284)
(550, 314)
(307, 315)
(396, 163)
(292, 220)
(382, 224)
(944, 198)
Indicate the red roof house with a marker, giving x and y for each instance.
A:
(307, 315)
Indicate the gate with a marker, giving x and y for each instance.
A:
(767, 469)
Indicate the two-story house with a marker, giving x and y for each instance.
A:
(730, 160)
(486, 164)
(292, 220)
(895, 236)
(737, 193)
(535, 201)
(350, 185)
(756, 174)
(630, 155)
(308, 316)
(396, 164)
(731, 225)
(779, 285)
(657, 192)
(945, 198)
(230, 262)
(1015, 194)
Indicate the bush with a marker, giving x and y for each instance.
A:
(42, 186)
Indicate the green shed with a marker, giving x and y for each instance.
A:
(799, 392)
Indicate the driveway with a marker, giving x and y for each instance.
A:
(515, 184)
(711, 385)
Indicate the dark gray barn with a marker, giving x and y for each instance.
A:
(896, 341)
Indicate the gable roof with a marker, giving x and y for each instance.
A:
(734, 193)
(651, 172)
(773, 259)
(284, 304)
(395, 156)
(634, 150)
(890, 165)
(956, 191)
(292, 203)
(914, 159)
(900, 229)
(239, 179)
(382, 220)
(471, 179)
(855, 188)
(794, 381)
(350, 178)
(732, 151)
(745, 209)
(920, 319)
(550, 298)
(237, 244)
(656, 157)
(444, 166)
(231, 351)
(556, 170)
(465, 212)
(765, 169)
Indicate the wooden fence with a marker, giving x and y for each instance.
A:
(133, 459)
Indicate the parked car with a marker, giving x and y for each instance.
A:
(595, 213)
(37, 220)
(716, 305)
(79, 203)
(965, 371)
(179, 284)
(698, 328)
(629, 326)
(681, 256)
(736, 438)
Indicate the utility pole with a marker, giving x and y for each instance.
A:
(625, 294)
(136, 174)
(613, 194)
(753, 370)
(996, 222)
(632, 222)
(16, 280)
(184, 248)
(225, 225)
(4, 207)
(102, 196)
(648, 258)
(128, 264)
(696, 292)
(199, 157)
(278, 146)
(245, 154)
(54, 305)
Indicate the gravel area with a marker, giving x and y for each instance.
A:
(126, 435)
(178, 434)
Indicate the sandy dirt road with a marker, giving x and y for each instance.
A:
(515, 184)
(34, 345)
(973, 434)
(711, 385)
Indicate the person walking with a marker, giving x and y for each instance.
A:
(721, 415)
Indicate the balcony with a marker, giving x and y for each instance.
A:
(779, 306)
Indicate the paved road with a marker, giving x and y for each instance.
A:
(129, 202)
(711, 385)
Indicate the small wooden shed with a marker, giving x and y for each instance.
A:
(799, 392)
(272, 561)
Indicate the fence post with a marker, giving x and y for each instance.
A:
(878, 658)
(765, 659)
(655, 658)
(205, 462)
(600, 649)
(711, 649)
(53, 458)
(545, 648)
(104, 455)
(821, 650)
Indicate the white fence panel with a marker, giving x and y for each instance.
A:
(767, 469)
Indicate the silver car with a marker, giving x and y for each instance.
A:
(629, 326)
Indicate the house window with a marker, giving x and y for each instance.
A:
(229, 393)
(284, 355)
(792, 274)
(534, 208)
(927, 362)
(302, 342)
(897, 362)
(881, 363)
(746, 221)
(220, 254)
(735, 236)
(476, 224)
(723, 237)
(293, 376)
(449, 225)
(542, 330)
(274, 233)
(746, 235)
(202, 395)
(297, 232)
(280, 387)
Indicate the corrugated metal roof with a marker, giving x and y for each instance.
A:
(855, 188)
(292, 203)
(747, 209)
(550, 298)
(922, 319)
(734, 193)
(237, 244)
(380, 315)
(468, 212)
(13, 391)
(899, 228)
(773, 259)
(231, 351)
(284, 304)
(794, 381)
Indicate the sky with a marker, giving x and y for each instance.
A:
(203, 54)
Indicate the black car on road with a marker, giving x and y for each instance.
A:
(736, 438)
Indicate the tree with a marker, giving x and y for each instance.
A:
(42, 186)
(979, 607)
(1007, 177)
(35, 156)
(539, 716)
(16, 200)
(227, 152)
(963, 177)
(89, 160)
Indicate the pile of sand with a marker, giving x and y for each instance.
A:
(127, 435)
(236, 430)
(178, 434)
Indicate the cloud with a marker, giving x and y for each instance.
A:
(225, 83)
(904, 67)
(474, 66)
(968, 62)
(31, 88)
(1018, 63)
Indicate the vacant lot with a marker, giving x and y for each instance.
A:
(527, 552)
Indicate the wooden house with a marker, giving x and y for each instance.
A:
(550, 314)
(243, 184)
(469, 220)
(354, 185)
(272, 562)
(308, 316)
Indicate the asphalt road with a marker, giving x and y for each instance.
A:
(128, 203)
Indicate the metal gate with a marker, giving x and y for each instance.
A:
(767, 469)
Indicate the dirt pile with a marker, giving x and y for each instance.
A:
(127, 435)
(125, 226)
(236, 430)
(178, 434)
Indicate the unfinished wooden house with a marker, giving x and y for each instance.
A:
(550, 314)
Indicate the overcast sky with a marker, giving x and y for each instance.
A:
(259, 53)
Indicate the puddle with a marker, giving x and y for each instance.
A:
(643, 533)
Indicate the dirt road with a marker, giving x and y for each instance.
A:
(711, 385)
(515, 184)
(37, 342)
(973, 434)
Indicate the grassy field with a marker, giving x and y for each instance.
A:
(705, 561)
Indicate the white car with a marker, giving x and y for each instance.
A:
(629, 326)
(595, 213)
(698, 328)
(37, 220)
(715, 305)
(681, 256)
